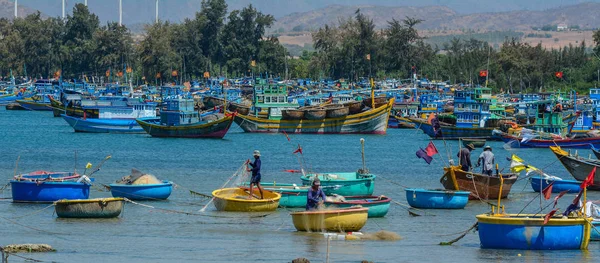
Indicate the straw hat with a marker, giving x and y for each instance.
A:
(256, 153)
(471, 146)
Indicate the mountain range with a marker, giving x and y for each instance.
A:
(455, 12)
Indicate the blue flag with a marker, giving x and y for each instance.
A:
(423, 155)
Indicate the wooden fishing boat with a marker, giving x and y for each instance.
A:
(354, 106)
(477, 142)
(345, 184)
(400, 123)
(480, 186)
(89, 208)
(336, 111)
(379, 101)
(378, 205)
(160, 191)
(528, 232)
(579, 143)
(237, 200)
(14, 106)
(315, 113)
(437, 199)
(292, 114)
(342, 220)
(578, 166)
(239, 108)
(539, 183)
(203, 129)
(596, 152)
(454, 132)
(35, 105)
(368, 122)
(47, 187)
(94, 125)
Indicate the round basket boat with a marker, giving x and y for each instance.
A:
(340, 220)
(89, 208)
(317, 113)
(240, 108)
(292, 114)
(237, 200)
(354, 106)
(159, 191)
(337, 111)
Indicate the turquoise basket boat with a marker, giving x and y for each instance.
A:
(292, 195)
(595, 234)
(378, 205)
(160, 191)
(345, 184)
(437, 199)
(528, 232)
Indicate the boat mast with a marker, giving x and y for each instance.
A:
(120, 12)
(16, 4)
(156, 20)
(63, 9)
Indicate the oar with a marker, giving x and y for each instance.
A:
(99, 166)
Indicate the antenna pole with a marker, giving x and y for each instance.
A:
(120, 12)
(16, 4)
(63, 9)
(156, 20)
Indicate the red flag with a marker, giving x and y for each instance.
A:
(431, 150)
(483, 73)
(299, 150)
(561, 194)
(559, 74)
(286, 136)
(547, 192)
(549, 215)
(292, 171)
(589, 180)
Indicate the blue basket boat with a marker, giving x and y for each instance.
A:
(345, 184)
(528, 232)
(47, 187)
(538, 182)
(437, 199)
(378, 205)
(160, 191)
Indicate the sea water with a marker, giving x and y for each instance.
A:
(143, 234)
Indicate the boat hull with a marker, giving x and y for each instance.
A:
(234, 200)
(538, 184)
(478, 143)
(34, 105)
(520, 232)
(400, 123)
(216, 129)
(47, 192)
(345, 184)
(455, 133)
(480, 186)
(342, 220)
(437, 199)
(103, 125)
(90, 208)
(378, 206)
(595, 232)
(578, 167)
(142, 191)
(292, 196)
(583, 143)
(368, 122)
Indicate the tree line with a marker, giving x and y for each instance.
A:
(235, 44)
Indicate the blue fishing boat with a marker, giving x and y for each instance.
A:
(103, 125)
(46, 187)
(44, 89)
(160, 191)
(538, 183)
(437, 199)
(528, 232)
(180, 120)
(521, 142)
(378, 205)
(346, 184)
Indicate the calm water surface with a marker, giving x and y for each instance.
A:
(146, 235)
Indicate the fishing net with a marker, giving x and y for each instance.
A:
(138, 178)
(382, 235)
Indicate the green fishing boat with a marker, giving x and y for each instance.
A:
(378, 205)
(347, 184)
(292, 195)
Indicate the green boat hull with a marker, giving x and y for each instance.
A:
(377, 207)
(345, 184)
(290, 196)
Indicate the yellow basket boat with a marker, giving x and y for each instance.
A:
(340, 220)
(236, 200)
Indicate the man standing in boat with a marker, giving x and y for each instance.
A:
(488, 161)
(255, 179)
(315, 196)
(464, 157)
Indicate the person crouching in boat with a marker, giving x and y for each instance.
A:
(255, 179)
(315, 196)
(487, 157)
(464, 157)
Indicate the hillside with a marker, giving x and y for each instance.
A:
(583, 15)
(7, 9)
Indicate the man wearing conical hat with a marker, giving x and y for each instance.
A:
(464, 157)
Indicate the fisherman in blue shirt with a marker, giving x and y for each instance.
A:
(315, 196)
(255, 179)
